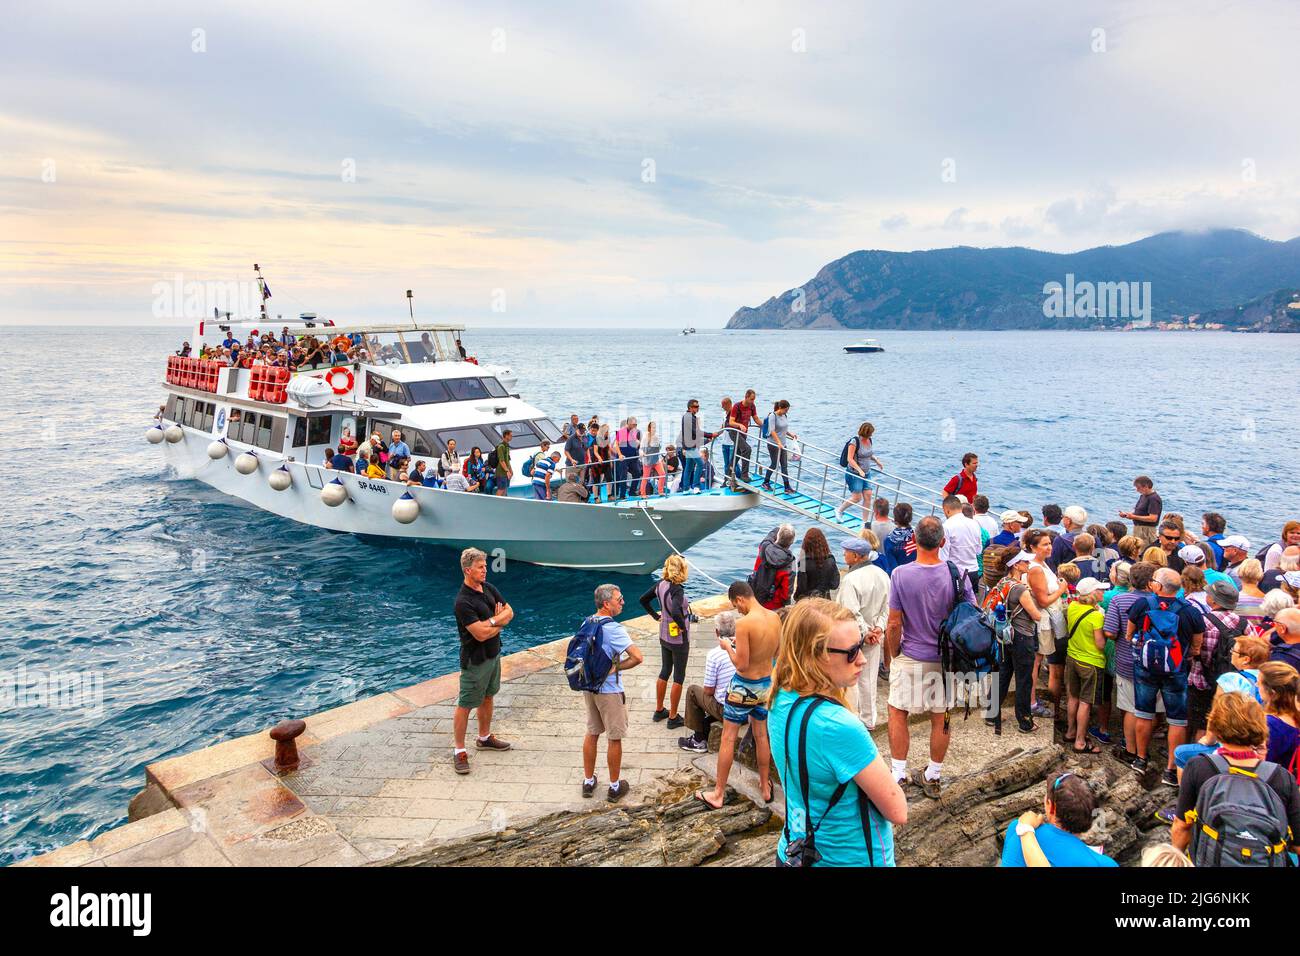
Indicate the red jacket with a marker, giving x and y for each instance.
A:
(781, 593)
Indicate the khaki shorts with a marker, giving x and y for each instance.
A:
(916, 686)
(1145, 532)
(479, 682)
(1124, 696)
(606, 714)
(1046, 637)
(1082, 680)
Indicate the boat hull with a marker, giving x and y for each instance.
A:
(862, 349)
(614, 537)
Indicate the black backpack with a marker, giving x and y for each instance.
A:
(493, 462)
(1239, 819)
(1220, 661)
(803, 851)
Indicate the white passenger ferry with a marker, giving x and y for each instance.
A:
(259, 434)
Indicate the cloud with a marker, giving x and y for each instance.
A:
(503, 145)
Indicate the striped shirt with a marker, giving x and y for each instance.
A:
(542, 468)
(1117, 624)
(718, 671)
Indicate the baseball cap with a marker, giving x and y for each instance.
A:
(1090, 586)
(1010, 516)
(1191, 554)
(856, 545)
(1292, 578)
(1235, 541)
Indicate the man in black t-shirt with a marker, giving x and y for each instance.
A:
(481, 613)
(1146, 513)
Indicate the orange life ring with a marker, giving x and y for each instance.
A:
(329, 380)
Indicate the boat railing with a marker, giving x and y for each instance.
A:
(816, 473)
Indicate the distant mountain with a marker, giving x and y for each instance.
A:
(1276, 312)
(968, 288)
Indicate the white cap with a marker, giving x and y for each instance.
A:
(1235, 541)
(1191, 554)
(1020, 558)
(1090, 586)
(1010, 516)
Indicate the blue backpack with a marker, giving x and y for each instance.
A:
(844, 452)
(1158, 649)
(767, 426)
(588, 661)
(968, 642)
(527, 469)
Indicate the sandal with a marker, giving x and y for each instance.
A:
(1027, 730)
(699, 795)
(1088, 748)
(771, 793)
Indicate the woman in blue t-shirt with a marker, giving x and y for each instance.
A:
(1049, 838)
(1279, 684)
(853, 802)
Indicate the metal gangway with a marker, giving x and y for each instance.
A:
(817, 481)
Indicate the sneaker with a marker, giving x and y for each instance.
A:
(1101, 735)
(675, 722)
(613, 795)
(660, 714)
(1040, 709)
(1139, 765)
(1124, 755)
(492, 743)
(1169, 778)
(693, 746)
(928, 787)
(460, 761)
(1167, 814)
(589, 788)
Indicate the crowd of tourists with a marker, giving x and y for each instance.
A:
(1123, 632)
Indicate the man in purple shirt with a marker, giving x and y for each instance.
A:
(921, 596)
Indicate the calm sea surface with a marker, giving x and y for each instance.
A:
(208, 620)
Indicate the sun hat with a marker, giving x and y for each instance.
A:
(1010, 516)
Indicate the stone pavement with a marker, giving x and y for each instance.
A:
(376, 775)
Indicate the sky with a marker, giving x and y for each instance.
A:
(605, 164)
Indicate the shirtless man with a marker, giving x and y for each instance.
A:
(752, 650)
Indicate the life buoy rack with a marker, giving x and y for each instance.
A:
(349, 380)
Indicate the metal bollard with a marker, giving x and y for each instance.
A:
(286, 750)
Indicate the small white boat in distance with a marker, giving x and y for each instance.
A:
(866, 345)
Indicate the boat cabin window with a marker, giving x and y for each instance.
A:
(495, 388)
(522, 435)
(428, 393)
(191, 412)
(466, 439)
(256, 428)
(393, 393)
(311, 431)
(466, 389)
(548, 429)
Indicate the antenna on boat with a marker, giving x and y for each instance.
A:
(410, 303)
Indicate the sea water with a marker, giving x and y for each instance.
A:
(173, 617)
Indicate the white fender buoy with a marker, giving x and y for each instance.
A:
(173, 433)
(335, 493)
(406, 509)
(154, 435)
(218, 449)
(280, 479)
(246, 463)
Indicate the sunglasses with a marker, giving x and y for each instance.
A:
(850, 653)
(1167, 537)
(1057, 782)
